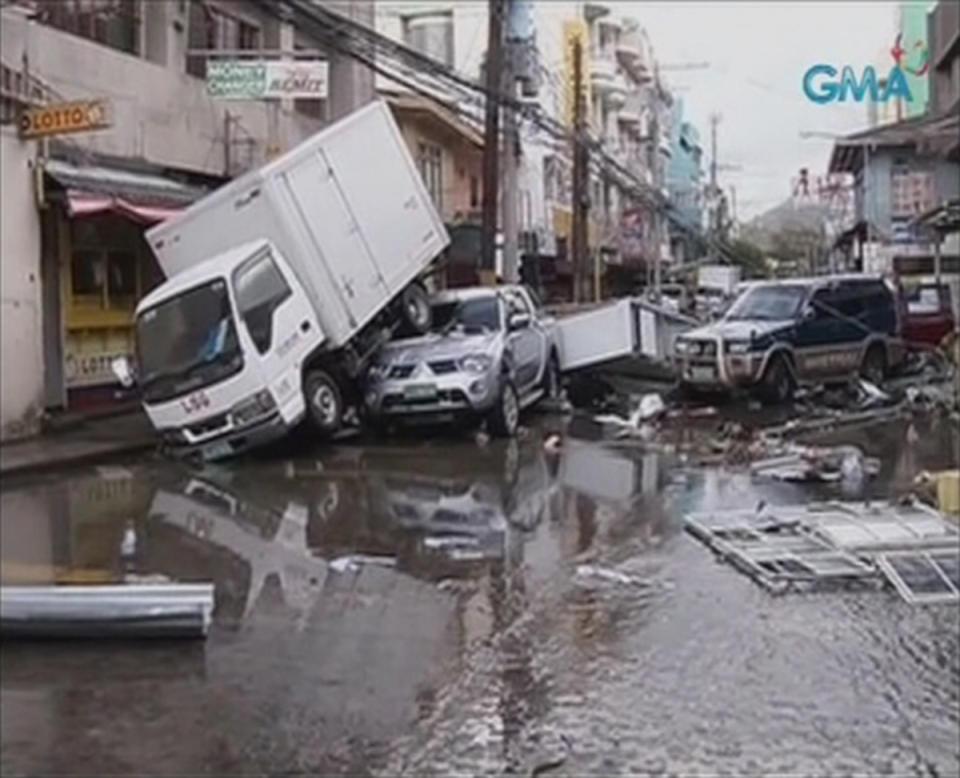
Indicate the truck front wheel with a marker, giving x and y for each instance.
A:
(324, 401)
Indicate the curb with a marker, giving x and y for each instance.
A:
(75, 460)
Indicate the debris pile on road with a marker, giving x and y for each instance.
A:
(789, 548)
(818, 464)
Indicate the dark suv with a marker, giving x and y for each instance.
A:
(780, 333)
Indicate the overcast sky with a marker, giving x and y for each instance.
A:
(758, 53)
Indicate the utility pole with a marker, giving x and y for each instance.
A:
(491, 135)
(581, 169)
(227, 141)
(714, 199)
(511, 152)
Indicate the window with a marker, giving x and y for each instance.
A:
(430, 162)
(110, 267)
(212, 28)
(114, 23)
(259, 289)
(431, 34)
(474, 192)
(315, 109)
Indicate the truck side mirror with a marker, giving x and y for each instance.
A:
(124, 371)
(809, 313)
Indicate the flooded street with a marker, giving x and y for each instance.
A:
(439, 606)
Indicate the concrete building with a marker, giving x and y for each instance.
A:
(74, 259)
(685, 182)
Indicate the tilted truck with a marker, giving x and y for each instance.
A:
(281, 285)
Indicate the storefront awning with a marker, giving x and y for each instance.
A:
(143, 197)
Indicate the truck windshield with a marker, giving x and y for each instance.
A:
(481, 314)
(187, 342)
(769, 303)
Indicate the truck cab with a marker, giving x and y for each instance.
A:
(220, 348)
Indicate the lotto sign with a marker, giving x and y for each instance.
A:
(64, 118)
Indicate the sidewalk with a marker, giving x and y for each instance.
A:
(90, 441)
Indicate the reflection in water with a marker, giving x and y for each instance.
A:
(306, 668)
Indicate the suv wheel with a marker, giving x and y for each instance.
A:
(777, 384)
(874, 365)
(505, 416)
(324, 402)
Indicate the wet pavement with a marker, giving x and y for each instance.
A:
(438, 606)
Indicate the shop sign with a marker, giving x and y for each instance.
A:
(91, 369)
(260, 80)
(65, 118)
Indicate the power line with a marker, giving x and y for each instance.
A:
(359, 42)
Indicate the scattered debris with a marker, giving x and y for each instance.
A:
(481, 438)
(943, 489)
(871, 394)
(351, 563)
(607, 575)
(552, 444)
(924, 578)
(651, 407)
(810, 463)
(790, 547)
(116, 611)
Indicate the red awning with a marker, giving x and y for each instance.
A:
(81, 204)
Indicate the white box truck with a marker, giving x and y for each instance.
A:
(280, 287)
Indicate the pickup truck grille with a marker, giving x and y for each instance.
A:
(401, 371)
(443, 367)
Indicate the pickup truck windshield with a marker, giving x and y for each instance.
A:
(471, 316)
(187, 342)
(769, 303)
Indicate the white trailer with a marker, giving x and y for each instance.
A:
(624, 329)
(281, 286)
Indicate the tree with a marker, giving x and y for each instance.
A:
(749, 257)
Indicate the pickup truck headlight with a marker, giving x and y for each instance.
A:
(476, 363)
(252, 408)
(378, 372)
(738, 346)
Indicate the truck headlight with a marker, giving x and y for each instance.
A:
(252, 408)
(476, 363)
(738, 346)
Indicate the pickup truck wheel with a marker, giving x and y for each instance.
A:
(415, 309)
(874, 365)
(777, 384)
(505, 416)
(324, 401)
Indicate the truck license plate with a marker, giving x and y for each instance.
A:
(703, 373)
(420, 392)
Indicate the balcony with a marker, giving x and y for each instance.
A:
(603, 71)
(631, 113)
(615, 96)
(632, 55)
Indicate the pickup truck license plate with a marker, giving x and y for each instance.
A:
(420, 392)
(703, 373)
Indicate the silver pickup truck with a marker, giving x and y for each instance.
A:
(492, 352)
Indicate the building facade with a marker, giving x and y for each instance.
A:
(685, 183)
(81, 202)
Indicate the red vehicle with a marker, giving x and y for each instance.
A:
(927, 313)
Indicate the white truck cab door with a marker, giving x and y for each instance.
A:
(277, 316)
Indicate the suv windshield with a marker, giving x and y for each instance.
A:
(482, 314)
(769, 303)
(187, 342)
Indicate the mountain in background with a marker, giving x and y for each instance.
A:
(790, 216)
